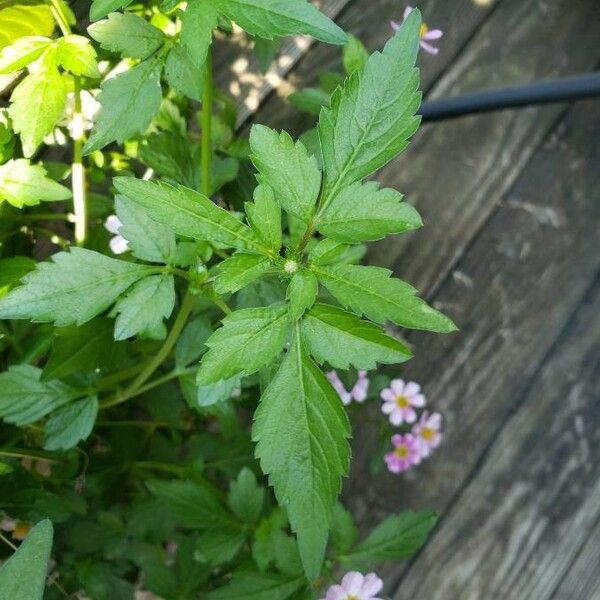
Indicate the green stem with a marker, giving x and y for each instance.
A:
(21, 454)
(60, 17)
(39, 217)
(78, 170)
(136, 386)
(205, 123)
(221, 303)
(7, 542)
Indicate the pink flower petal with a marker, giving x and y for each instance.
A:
(397, 386)
(336, 592)
(113, 224)
(372, 584)
(388, 407)
(433, 34)
(397, 439)
(352, 582)
(428, 47)
(411, 389)
(418, 400)
(387, 394)
(118, 244)
(407, 12)
(395, 26)
(396, 417)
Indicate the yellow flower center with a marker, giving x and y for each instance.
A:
(21, 530)
(353, 597)
(427, 433)
(401, 451)
(423, 31)
(402, 401)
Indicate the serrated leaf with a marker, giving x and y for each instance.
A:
(127, 34)
(72, 288)
(170, 155)
(301, 431)
(215, 393)
(24, 398)
(24, 184)
(197, 24)
(70, 424)
(363, 212)
(22, 52)
(327, 252)
(15, 268)
(218, 547)
(183, 75)
(396, 537)
(239, 270)
(354, 55)
(302, 293)
(77, 55)
(288, 169)
(249, 339)
(191, 343)
(278, 18)
(147, 239)
(310, 100)
(142, 310)
(188, 213)
(192, 504)
(246, 497)
(264, 216)
(35, 120)
(342, 339)
(23, 575)
(265, 52)
(101, 8)
(373, 115)
(373, 292)
(20, 20)
(129, 102)
(257, 586)
(82, 349)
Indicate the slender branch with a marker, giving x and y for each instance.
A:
(60, 17)
(7, 542)
(205, 123)
(77, 169)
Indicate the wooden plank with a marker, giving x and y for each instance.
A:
(515, 530)
(583, 578)
(517, 287)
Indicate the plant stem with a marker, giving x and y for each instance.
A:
(136, 386)
(77, 169)
(59, 17)
(22, 454)
(7, 542)
(205, 123)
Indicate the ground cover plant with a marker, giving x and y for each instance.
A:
(186, 324)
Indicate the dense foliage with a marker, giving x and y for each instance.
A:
(167, 420)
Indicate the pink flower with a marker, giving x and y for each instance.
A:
(358, 392)
(399, 401)
(118, 244)
(426, 35)
(355, 586)
(405, 454)
(427, 432)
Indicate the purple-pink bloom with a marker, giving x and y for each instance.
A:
(118, 244)
(426, 35)
(427, 432)
(400, 400)
(358, 392)
(405, 454)
(356, 586)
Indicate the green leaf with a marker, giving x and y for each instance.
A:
(24, 184)
(129, 102)
(344, 340)
(246, 497)
(372, 116)
(22, 52)
(24, 398)
(142, 310)
(239, 270)
(354, 55)
(82, 349)
(170, 155)
(364, 212)
(5, 469)
(76, 54)
(100, 8)
(264, 216)
(396, 537)
(192, 504)
(250, 339)
(35, 120)
(343, 529)
(147, 239)
(197, 24)
(278, 18)
(372, 292)
(13, 269)
(23, 575)
(20, 20)
(257, 586)
(302, 293)
(310, 100)
(188, 213)
(127, 34)
(288, 169)
(301, 431)
(72, 288)
(183, 75)
(191, 343)
(265, 52)
(327, 252)
(214, 393)
(70, 424)
(218, 547)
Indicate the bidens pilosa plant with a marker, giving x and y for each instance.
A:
(171, 411)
